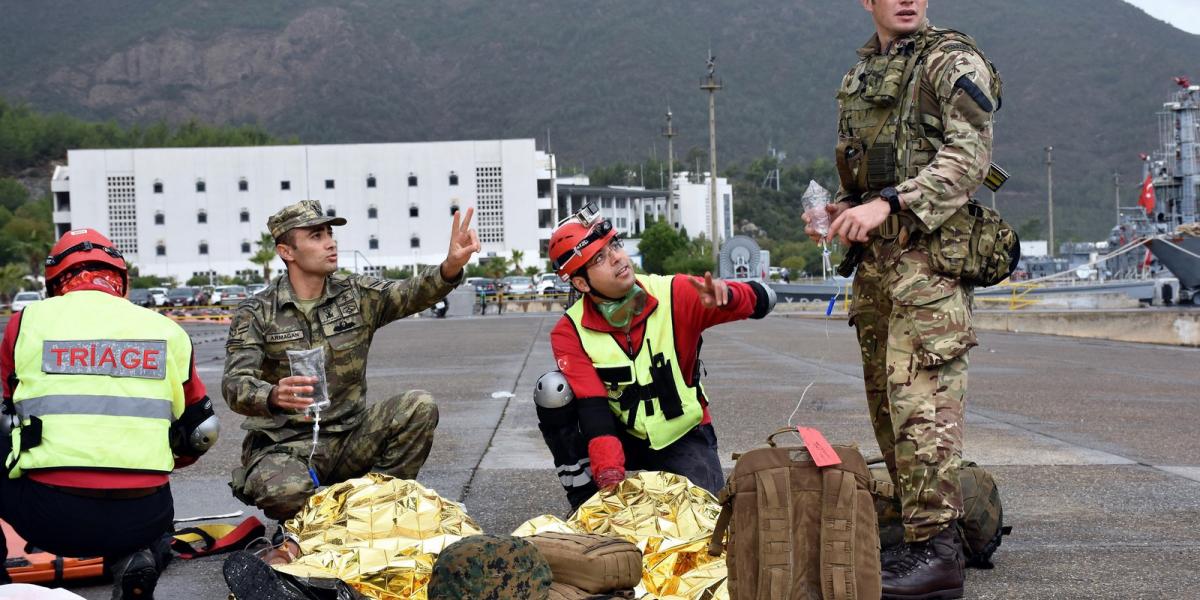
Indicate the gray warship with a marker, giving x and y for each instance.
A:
(1171, 230)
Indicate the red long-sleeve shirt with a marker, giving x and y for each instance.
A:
(193, 392)
(690, 319)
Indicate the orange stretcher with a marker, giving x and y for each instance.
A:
(26, 564)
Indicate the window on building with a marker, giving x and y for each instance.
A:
(200, 186)
(413, 211)
(158, 187)
(373, 243)
(243, 185)
(160, 249)
(414, 242)
(244, 216)
(545, 219)
(372, 212)
(202, 216)
(203, 247)
(285, 185)
(412, 180)
(620, 202)
(329, 184)
(544, 248)
(453, 209)
(245, 247)
(453, 178)
(159, 218)
(370, 181)
(331, 212)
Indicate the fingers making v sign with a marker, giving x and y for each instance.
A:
(463, 243)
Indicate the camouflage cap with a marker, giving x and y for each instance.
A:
(305, 213)
(490, 567)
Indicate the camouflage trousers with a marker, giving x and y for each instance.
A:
(914, 330)
(394, 438)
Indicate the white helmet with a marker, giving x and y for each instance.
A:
(552, 390)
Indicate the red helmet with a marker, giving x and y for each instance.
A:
(575, 242)
(81, 246)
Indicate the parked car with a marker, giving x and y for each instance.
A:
(518, 284)
(229, 295)
(551, 283)
(142, 297)
(183, 296)
(23, 299)
(159, 294)
(255, 288)
(483, 286)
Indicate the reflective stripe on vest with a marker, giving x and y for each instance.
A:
(105, 377)
(635, 395)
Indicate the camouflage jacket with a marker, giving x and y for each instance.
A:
(943, 157)
(344, 320)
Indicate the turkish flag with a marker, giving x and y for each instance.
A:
(1146, 200)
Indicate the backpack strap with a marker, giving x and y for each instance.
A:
(775, 532)
(837, 535)
(716, 544)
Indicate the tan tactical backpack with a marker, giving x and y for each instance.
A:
(982, 524)
(590, 562)
(797, 531)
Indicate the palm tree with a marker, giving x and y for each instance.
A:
(12, 280)
(517, 257)
(265, 254)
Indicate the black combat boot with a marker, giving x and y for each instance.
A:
(249, 578)
(928, 570)
(135, 576)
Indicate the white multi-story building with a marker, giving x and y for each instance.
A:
(184, 212)
(693, 210)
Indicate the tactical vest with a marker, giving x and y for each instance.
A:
(648, 392)
(103, 386)
(890, 112)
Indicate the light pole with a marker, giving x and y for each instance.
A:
(711, 84)
(1050, 196)
(670, 134)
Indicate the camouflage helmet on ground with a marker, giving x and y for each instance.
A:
(490, 567)
(982, 523)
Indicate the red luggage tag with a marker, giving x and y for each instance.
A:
(818, 447)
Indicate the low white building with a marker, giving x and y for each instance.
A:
(630, 207)
(183, 212)
(693, 210)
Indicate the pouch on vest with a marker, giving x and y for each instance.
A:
(796, 530)
(976, 246)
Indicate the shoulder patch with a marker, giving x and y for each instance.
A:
(965, 84)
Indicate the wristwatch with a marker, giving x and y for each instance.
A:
(893, 198)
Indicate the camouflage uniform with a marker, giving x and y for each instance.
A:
(490, 567)
(393, 436)
(914, 325)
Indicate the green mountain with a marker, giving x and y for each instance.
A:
(1085, 76)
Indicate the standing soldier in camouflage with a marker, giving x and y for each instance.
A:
(311, 306)
(915, 129)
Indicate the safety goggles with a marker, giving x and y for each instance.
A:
(596, 233)
(54, 259)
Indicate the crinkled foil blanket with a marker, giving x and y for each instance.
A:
(381, 535)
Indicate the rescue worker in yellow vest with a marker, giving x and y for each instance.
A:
(103, 401)
(915, 129)
(627, 392)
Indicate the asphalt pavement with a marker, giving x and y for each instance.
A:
(1093, 443)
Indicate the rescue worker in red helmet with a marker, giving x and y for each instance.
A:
(103, 401)
(627, 392)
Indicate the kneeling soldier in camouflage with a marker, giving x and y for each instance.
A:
(311, 306)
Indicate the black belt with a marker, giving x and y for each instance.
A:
(107, 494)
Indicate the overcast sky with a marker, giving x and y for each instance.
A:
(1184, 14)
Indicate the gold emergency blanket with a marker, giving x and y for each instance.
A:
(379, 534)
(669, 519)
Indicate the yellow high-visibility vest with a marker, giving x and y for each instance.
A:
(648, 392)
(104, 377)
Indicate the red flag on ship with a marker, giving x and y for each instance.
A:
(1146, 201)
